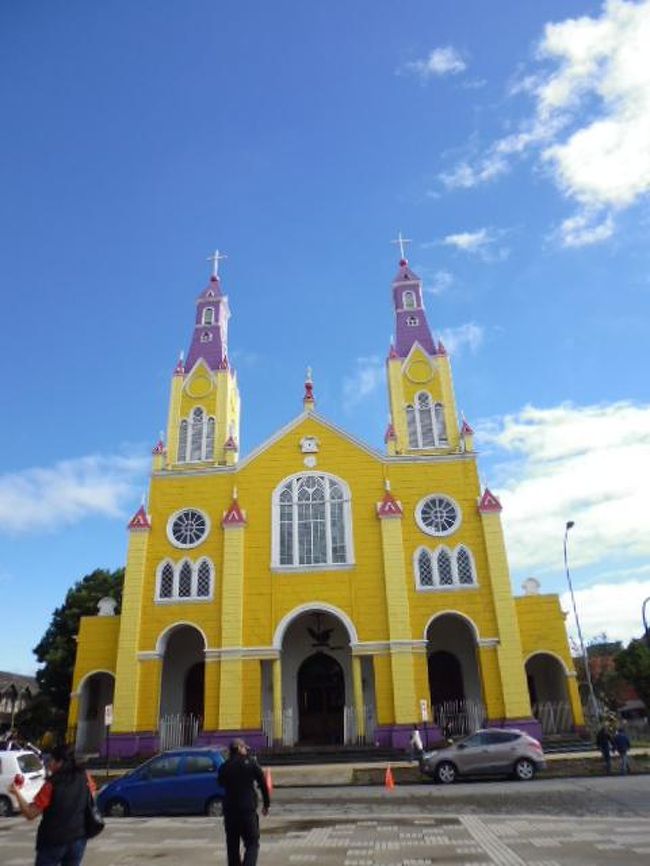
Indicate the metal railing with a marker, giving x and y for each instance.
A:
(351, 735)
(178, 730)
(555, 717)
(459, 718)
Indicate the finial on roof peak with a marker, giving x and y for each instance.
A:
(215, 258)
(402, 241)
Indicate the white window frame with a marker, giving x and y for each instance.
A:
(173, 517)
(194, 597)
(433, 558)
(204, 317)
(412, 321)
(347, 528)
(185, 458)
(439, 441)
(426, 529)
(409, 295)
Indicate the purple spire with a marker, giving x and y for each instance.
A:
(210, 337)
(410, 319)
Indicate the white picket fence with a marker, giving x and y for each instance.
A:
(178, 730)
(460, 717)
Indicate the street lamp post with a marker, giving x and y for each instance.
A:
(646, 633)
(585, 658)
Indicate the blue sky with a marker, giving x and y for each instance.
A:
(510, 141)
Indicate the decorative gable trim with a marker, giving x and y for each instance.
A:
(489, 504)
(140, 520)
(234, 516)
(389, 507)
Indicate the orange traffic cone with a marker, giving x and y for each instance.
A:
(269, 780)
(389, 782)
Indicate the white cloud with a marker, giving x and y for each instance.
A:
(438, 282)
(482, 242)
(369, 374)
(590, 125)
(587, 464)
(44, 498)
(469, 335)
(612, 608)
(585, 229)
(469, 242)
(445, 60)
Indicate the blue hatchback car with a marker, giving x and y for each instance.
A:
(178, 782)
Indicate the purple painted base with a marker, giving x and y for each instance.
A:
(147, 743)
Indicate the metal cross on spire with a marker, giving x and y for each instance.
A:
(401, 241)
(215, 258)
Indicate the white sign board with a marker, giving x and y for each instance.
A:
(424, 710)
(108, 715)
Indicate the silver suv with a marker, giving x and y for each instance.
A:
(488, 752)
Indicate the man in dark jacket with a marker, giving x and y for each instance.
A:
(622, 746)
(239, 775)
(604, 743)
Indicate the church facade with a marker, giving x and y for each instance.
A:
(317, 591)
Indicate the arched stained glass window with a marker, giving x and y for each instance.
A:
(464, 567)
(196, 443)
(182, 442)
(311, 514)
(425, 414)
(204, 578)
(185, 581)
(425, 569)
(426, 423)
(445, 574)
(167, 581)
(209, 440)
(412, 427)
(441, 427)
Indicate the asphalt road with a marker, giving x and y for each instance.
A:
(559, 822)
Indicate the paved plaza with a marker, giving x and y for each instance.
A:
(410, 826)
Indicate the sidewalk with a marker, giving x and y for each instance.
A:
(587, 763)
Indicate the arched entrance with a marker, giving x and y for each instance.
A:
(95, 694)
(181, 690)
(549, 696)
(454, 677)
(445, 677)
(321, 700)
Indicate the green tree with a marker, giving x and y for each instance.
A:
(57, 648)
(633, 664)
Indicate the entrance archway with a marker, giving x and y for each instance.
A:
(181, 689)
(95, 694)
(454, 678)
(549, 696)
(321, 700)
(445, 677)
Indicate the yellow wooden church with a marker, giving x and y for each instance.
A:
(317, 591)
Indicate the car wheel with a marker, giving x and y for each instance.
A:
(213, 807)
(117, 809)
(6, 809)
(524, 770)
(445, 773)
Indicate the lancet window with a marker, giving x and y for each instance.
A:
(409, 300)
(196, 437)
(208, 316)
(312, 524)
(443, 568)
(425, 422)
(185, 581)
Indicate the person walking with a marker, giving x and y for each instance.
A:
(604, 743)
(622, 746)
(416, 749)
(239, 775)
(62, 802)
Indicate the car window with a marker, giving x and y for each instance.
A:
(29, 763)
(163, 767)
(473, 741)
(199, 764)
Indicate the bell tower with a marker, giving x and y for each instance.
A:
(204, 406)
(423, 417)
